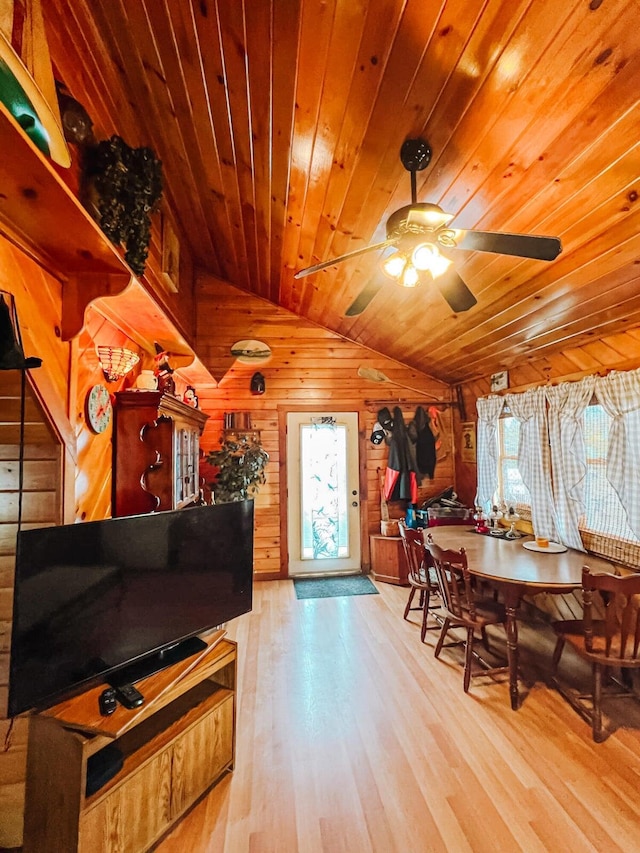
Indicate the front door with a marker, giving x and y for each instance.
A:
(323, 493)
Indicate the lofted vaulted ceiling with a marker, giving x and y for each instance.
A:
(279, 124)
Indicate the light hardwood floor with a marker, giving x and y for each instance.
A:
(353, 738)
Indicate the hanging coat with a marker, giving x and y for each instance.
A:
(425, 444)
(401, 477)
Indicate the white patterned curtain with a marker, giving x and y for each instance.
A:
(619, 395)
(489, 409)
(534, 457)
(567, 403)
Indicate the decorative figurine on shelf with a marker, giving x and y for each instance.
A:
(146, 381)
(164, 371)
(480, 520)
(190, 397)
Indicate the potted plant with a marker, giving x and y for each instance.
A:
(240, 462)
(126, 184)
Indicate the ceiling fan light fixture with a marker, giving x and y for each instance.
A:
(395, 265)
(410, 277)
(427, 257)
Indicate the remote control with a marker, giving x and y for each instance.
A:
(129, 695)
(107, 701)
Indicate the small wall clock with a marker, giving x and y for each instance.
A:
(99, 409)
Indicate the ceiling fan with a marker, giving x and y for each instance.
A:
(420, 230)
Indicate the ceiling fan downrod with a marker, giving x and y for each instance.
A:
(415, 155)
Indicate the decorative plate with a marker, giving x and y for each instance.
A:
(552, 548)
(251, 352)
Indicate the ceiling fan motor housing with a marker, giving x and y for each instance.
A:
(421, 218)
(415, 154)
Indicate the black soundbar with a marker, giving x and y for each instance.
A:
(156, 663)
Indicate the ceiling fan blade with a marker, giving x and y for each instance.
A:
(455, 291)
(365, 296)
(340, 258)
(521, 245)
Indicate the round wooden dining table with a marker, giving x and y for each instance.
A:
(516, 571)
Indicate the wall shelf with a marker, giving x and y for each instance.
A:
(38, 210)
(41, 215)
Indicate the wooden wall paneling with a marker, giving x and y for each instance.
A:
(249, 136)
(283, 100)
(225, 199)
(323, 96)
(171, 53)
(314, 41)
(39, 320)
(310, 368)
(41, 506)
(534, 36)
(364, 82)
(555, 297)
(94, 464)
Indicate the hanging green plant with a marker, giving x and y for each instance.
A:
(127, 184)
(241, 462)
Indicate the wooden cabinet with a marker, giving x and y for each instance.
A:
(388, 561)
(156, 446)
(174, 748)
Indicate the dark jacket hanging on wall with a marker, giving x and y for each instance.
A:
(401, 477)
(425, 444)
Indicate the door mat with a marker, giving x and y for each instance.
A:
(333, 587)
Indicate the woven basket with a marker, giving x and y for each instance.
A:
(389, 528)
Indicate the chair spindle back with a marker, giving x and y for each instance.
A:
(621, 602)
(418, 559)
(454, 579)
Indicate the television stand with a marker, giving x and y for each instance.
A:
(138, 670)
(173, 748)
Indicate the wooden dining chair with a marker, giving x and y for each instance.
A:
(463, 608)
(607, 643)
(421, 577)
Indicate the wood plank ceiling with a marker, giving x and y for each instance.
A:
(279, 124)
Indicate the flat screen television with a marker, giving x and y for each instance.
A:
(114, 600)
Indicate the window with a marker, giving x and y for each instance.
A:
(511, 489)
(604, 527)
(604, 512)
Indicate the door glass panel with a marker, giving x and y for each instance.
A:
(323, 477)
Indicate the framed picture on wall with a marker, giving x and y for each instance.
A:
(170, 256)
(500, 381)
(468, 449)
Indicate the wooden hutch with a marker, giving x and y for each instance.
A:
(156, 452)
